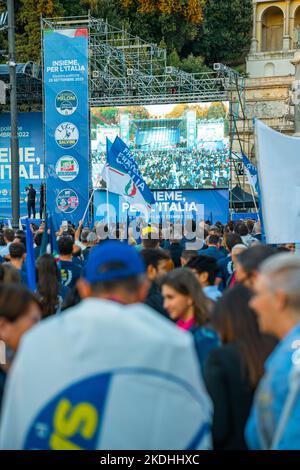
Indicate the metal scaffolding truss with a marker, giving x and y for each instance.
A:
(29, 82)
(125, 70)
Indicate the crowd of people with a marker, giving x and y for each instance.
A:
(178, 168)
(224, 317)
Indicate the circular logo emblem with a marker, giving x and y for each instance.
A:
(66, 103)
(67, 201)
(67, 168)
(66, 135)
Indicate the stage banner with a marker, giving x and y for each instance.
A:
(66, 123)
(30, 133)
(186, 204)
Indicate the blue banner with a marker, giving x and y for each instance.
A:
(66, 123)
(171, 204)
(31, 159)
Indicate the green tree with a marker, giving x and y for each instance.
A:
(226, 31)
(174, 59)
(194, 64)
(28, 31)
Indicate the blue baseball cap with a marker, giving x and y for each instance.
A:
(113, 260)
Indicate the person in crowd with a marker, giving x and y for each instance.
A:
(247, 263)
(17, 255)
(20, 237)
(42, 199)
(120, 358)
(9, 274)
(206, 270)
(225, 264)
(188, 307)
(276, 302)
(236, 250)
(92, 239)
(149, 239)
(19, 311)
(70, 272)
(9, 236)
(81, 235)
(187, 255)
(257, 231)
(250, 225)
(38, 236)
(48, 285)
(233, 371)
(175, 248)
(242, 230)
(156, 262)
(31, 195)
(213, 248)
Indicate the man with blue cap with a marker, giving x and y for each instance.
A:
(110, 373)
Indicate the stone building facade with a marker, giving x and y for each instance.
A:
(270, 72)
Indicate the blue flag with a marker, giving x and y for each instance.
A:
(53, 241)
(252, 175)
(30, 258)
(122, 175)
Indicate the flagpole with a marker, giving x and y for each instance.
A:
(91, 197)
(253, 196)
(107, 198)
(88, 205)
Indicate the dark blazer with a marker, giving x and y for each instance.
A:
(228, 385)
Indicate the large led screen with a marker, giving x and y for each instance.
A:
(177, 146)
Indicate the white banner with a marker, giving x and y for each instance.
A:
(278, 158)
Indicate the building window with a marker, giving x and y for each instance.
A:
(272, 29)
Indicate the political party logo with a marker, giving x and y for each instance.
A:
(67, 201)
(66, 135)
(130, 189)
(66, 103)
(67, 168)
(104, 410)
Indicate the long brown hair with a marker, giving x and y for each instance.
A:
(184, 281)
(15, 300)
(236, 323)
(48, 284)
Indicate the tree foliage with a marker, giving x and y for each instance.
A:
(195, 33)
(226, 31)
(191, 10)
(28, 28)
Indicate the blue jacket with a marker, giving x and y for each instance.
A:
(205, 340)
(212, 251)
(271, 396)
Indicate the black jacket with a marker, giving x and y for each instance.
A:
(228, 385)
(31, 193)
(155, 300)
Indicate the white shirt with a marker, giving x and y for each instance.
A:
(106, 376)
